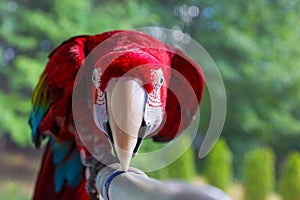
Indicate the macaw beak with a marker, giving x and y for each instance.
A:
(125, 107)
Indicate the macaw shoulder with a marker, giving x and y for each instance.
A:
(71, 53)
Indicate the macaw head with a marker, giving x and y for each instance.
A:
(130, 94)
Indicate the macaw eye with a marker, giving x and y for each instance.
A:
(94, 78)
(161, 81)
(158, 79)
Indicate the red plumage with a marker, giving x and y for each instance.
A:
(45, 183)
(54, 94)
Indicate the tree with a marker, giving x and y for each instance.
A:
(183, 168)
(218, 166)
(289, 180)
(259, 175)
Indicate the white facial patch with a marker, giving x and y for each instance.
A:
(153, 110)
(153, 118)
(100, 116)
(100, 112)
(158, 78)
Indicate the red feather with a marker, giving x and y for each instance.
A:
(177, 121)
(45, 183)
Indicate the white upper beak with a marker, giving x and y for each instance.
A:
(125, 107)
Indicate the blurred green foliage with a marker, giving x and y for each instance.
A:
(259, 173)
(183, 168)
(255, 44)
(218, 166)
(11, 191)
(289, 186)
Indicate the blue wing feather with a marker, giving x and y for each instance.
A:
(68, 166)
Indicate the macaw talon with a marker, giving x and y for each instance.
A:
(125, 107)
(91, 180)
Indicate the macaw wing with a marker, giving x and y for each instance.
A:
(52, 95)
(52, 180)
(183, 98)
(51, 111)
(62, 172)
